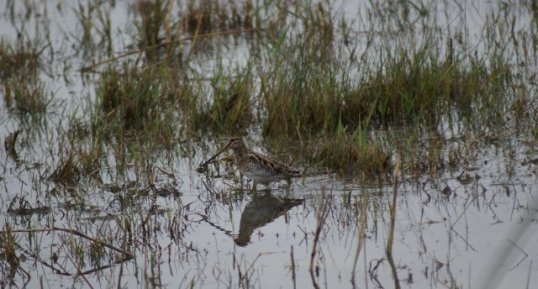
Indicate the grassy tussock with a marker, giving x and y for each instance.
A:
(202, 17)
(67, 173)
(134, 100)
(421, 86)
(18, 60)
(350, 154)
(304, 83)
(412, 87)
(313, 89)
(26, 96)
(227, 109)
(153, 22)
(23, 91)
(8, 253)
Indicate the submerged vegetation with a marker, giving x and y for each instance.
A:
(405, 96)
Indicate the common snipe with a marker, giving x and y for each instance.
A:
(259, 168)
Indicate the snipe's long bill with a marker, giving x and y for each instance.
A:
(258, 168)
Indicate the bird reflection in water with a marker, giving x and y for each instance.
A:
(262, 210)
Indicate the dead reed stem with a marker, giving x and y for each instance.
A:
(128, 255)
(293, 277)
(390, 239)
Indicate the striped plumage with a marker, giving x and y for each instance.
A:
(257, 167)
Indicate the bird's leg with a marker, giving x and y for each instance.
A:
(254, 187)
(288, 180)
(241, 179)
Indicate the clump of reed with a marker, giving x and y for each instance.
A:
(161, 35)
(10, 145)
(136, 101)
(23, 91)
(421, 87)
(67, 173)
(26, 96)
(202, 17)
(19, 59)
(8, 253)
(94, 20)
(227, 108)
(154, 21)
(350, 154)
(414, 86)
(333, 99)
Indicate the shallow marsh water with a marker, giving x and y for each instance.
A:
(233, 239)
(468, 226)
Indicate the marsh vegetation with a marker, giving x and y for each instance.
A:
(414, 124)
